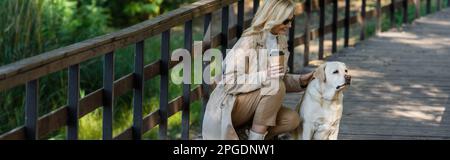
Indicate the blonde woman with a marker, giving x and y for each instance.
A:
(256, 102)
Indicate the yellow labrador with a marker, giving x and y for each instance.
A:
(321, 106)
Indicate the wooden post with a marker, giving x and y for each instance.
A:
(108, 95)
(255, 6)
(347, 23)
(379, 15)
(334, 26)
(224, 39)
(205, 87)
(405, 11)
(186, 87)
(240, 16)
(31, 110)
(392, 13)
(164, 88)
(363, 20)
(306, 32)
(73, 102)
(291, 46)
(138, 90)
(321, 28)
(417, 2)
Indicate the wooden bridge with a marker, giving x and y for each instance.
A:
(400, 88)
(401, 83)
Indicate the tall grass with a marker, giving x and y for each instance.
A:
(58, 23)
(31, 27)
(19, 37)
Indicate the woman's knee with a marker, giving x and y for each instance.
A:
(291, 119)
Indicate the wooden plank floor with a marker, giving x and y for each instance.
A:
(401, 83)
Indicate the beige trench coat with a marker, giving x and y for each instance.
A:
(217, 124)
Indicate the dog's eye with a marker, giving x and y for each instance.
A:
(336, 72)
(346, 71)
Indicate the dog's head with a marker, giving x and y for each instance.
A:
(333, 74)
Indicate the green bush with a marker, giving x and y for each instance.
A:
(37, 26)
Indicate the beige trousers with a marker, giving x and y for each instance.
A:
(265, 110)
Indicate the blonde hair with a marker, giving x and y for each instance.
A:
(270, 14)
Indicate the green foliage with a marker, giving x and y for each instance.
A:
(85, 21)
(31, 27)
(151, 7)
(130, 12)
(35, 26)
(174, 4)
(19, 25)
(64, 23)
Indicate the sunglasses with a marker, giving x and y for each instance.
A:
(287, 21)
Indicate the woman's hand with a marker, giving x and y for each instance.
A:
(275, 71)
(306, 78)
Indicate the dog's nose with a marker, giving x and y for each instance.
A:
(348, 79)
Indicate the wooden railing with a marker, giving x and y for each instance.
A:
(28, 71)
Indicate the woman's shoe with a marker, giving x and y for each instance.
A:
(256, 136)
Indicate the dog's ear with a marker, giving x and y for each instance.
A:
(320, 73)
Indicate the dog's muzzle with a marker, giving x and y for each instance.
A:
(348, 79)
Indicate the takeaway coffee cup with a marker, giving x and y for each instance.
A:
(276, 58)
